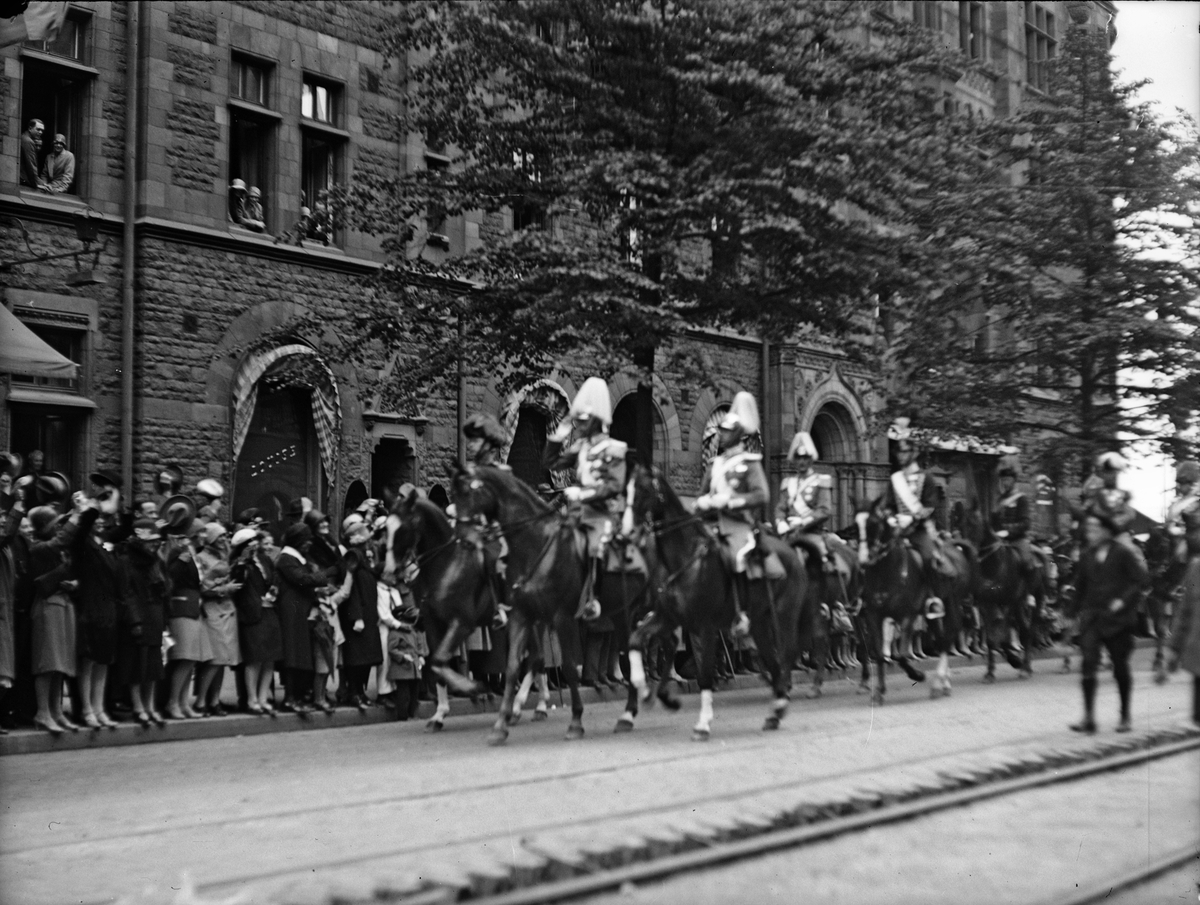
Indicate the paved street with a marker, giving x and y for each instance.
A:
(264, 812)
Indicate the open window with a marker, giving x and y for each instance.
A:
(252, 136)
(322, 155)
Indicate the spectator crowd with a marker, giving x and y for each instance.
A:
(108, 608)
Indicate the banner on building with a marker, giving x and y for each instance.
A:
(39, 21)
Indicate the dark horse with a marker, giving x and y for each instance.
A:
(894, 587)
(692, 587)
(452, 589)
(1002, 597)
(545, 576)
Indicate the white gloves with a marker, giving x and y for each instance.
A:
(562, 431)
(573, 494)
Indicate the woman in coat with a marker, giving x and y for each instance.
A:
(298, 581)
(220, 616)
(191, 645)
(139, 657)
(258, 623)
(358, 612)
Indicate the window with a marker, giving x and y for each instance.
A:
(528, 211)
(252, 126)
(928, 14)
(321, 154)
(970, 29)
(249, 81)
(66, 342)
(71, 40)
(1041, 45)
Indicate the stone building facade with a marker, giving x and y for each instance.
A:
(242, 111)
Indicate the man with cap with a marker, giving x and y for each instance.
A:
(1010, 521)
(805, 503)
(1101, 496)
(912, 498)
(209, 494)
(1107, 586)
(734, 489)
(599, 463)
(168, 482)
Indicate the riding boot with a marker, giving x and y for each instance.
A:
(741, 622)
(589, 606)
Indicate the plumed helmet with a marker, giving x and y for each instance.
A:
(52, 487)
(900, 429)
(177, 512)
(1187, 472)
(210, 488)
(483, 426)
(802, 445)
(169, 480)
(43, 520)
(241, 537)
(743, 413)
(592, 401)
(1111, 461)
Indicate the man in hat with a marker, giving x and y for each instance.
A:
(599, 463)
(1107, 587)
(168, 482)
(1102, 496)
(485, 440)
(734, 489)
(805, 502)
(912, 498)
(1010, 521)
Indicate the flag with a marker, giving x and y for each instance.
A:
(40, 22)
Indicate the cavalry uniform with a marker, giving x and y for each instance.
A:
(485, 439)
(1102, 498)
(1011, 522)
(734, 488)
(805, 503)
(599, 463)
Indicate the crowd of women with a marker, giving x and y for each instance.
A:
(106, 606)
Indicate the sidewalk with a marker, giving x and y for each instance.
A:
(35, 741)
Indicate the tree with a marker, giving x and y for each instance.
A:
(1072, 324)
(669, 163)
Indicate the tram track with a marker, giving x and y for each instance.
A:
(635, 852)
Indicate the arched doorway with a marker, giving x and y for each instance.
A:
(286, 427)
(837, 452)
(624, 428)
(530, 417)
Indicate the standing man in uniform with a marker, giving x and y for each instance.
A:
(599, 463)
(734, 491)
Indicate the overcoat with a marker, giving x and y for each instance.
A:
(298, 583)
(1105, 574)
(360, 648)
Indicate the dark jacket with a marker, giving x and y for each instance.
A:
(1099, 582)
(185, 585)
(256, 578)
(298, 582)
(1012, 515)
(360, 648)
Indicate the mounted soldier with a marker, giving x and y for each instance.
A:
(599, 491)
(1011, 522)
(911, 501)
(734, 491)
(1102, 497)
(485, 441)
(805, 503)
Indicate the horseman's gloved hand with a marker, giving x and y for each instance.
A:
(411, 571)
(573, 494)
(903, 521)
(562, 431)
(1002, 534)
(359, 625)
(703, 503)
(782, 527)
(718, 501)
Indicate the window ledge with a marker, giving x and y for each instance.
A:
(40, 56)
(55, 202)
(33, 396)
(254, 109)
(324, 129)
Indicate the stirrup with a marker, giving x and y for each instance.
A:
(741, 626)
(500, 620)
(590, 611)
(934, 608)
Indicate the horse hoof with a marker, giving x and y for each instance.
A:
(1025, 673)
(989, 678)
(497, 737)
(434, 726)
(935, 693)
(877, 698)
(700, 735)
(770, 723)
(574, 733)
(513, 718)
(813, 692)
(946, 692)
(623, 726)
(1160, 678)
(862, 689)
(540, 715)
(668, 701)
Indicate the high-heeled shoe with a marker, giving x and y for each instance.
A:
(269, 710)
(106, 721)
(143, 719)
(174, 713)
(91, 721)
(256, 709)
(65, 721)
(157, 718)
(191, 714)
(49, 725)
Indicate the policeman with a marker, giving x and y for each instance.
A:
(599, 463)
(734, 490)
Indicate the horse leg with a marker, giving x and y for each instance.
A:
(435, 722)
(941, 681)
(1157, 614)
(522, 696)
(639, 640)
(456, 631)
(705, 651)
(568, 634)
(625, 721)
(517, 631)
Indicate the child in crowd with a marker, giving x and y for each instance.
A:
(406, 656)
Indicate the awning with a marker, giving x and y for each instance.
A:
(48, 397)
(24, 352)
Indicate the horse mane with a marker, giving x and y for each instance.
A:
(433, 513)
(514, 486)
(670, 498)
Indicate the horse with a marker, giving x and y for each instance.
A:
(547, 564)
(453, 592)
(895, 588)
(830, 603)
(1002, 598)
(693, 587)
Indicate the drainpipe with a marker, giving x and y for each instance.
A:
(132, 101)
